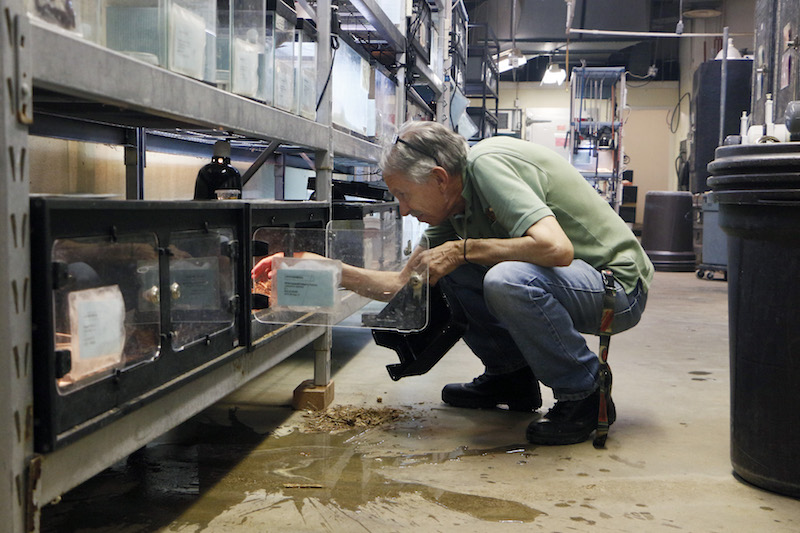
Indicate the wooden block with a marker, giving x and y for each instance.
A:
(312, 397)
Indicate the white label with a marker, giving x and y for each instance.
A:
(245, 68)
(187, 42)
(97, 319)
(306, 283)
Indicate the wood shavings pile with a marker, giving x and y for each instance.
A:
(347, 417)
(262, 287)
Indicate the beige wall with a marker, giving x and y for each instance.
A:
(70, 167)
(658, 119)
(647, 137)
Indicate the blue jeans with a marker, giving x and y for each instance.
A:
(522, 314)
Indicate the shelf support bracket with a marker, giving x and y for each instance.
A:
(135, 149)
(23, 84)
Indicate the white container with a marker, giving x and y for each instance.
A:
(306, 82)
(138, 28)
(224, 29)
(192, 38)
(248, 49)
(281, 20)
(78, 16)
(350, 81)
(177, 34)
(395, 10)
(385, 107)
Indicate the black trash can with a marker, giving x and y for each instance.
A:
(667, 230)
(758, 189)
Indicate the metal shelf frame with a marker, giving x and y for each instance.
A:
(597, 100)
(64, 63)
(116, 99)
(482, 83)
(425, 87)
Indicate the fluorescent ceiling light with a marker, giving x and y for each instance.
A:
(554, 75)
(510, 59)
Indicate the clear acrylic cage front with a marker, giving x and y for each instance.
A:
(202, 285)
(315, 276)
(105, 319)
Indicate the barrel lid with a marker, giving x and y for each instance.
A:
(768, 197)
(756, 159)
(758, 179)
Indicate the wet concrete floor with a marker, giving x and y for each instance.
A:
(251, 463)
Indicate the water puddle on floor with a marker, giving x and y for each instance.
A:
(190, 484)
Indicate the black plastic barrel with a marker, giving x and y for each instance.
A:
(758, 189)
(667, 230)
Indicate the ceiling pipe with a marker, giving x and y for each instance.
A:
(650, 33)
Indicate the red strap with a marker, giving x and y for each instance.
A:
(604, 377)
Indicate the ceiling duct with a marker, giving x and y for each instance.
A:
(545, 20)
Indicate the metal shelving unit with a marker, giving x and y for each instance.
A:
(597, 99)
(54, 73)
(483, 79)
(157, 98)
(426, 89)
(153, 95)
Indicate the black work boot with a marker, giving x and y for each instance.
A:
(569, 422)
(518, 390)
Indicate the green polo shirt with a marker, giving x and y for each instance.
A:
(510, 184)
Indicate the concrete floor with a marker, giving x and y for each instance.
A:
(247, 464)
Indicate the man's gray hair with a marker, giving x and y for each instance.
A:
(424, 145)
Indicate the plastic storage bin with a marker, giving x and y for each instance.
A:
(385, 107)
(394, 10)
(350, 90)
(79, 16)
(248, 49)
(177, 34)
(224, 28)
(192, 38)
(138, 28)
(280, 25)
(306, 83)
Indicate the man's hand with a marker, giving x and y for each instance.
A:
(438, 262)
(545, 244)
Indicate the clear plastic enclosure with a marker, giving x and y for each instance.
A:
(306, 84)
(248, 46)
(202, 285)
(350, 86)
(309, 266)
(385, 107)
(138, 28)
(192, 38)
(283, 61)
(103, 312)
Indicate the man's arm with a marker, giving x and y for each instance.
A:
(374, 284)
(544, 243)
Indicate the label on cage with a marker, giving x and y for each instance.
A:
(187, 42)
(245, 68)
(97, 327)
(308, 284)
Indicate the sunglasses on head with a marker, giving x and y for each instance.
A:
(417, 149)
